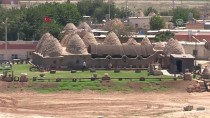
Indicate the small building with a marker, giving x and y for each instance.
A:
(188, 36)
(180, 62)
(17, 49)
(195, 25)
(143, 22)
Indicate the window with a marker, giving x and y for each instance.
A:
(14, 56)
(1, 57)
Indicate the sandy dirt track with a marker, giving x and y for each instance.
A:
(89, 104)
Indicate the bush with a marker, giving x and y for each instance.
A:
(52, 71)
(142, 79)
(42, 75)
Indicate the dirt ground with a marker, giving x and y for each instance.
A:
(89, 104)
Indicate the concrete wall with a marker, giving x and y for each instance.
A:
(203, 53)
(140, 22)
(21, 53)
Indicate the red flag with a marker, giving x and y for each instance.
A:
(47, 19)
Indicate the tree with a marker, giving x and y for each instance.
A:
(156, 23)
(149, 10)
(98, 9)
(164, 36)
(29, 24)
(183, 13)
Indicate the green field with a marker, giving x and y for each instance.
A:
(132, 84)
(24, 68)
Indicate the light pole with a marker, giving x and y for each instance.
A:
(5, 23)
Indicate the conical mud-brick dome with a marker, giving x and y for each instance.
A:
(113, 25)
(145, 41)
(44, 37)
(112, 39)
(50, 46)
(76, 45)
(64, 41)
(69, 28)
(206, 73)
(132, 41)
(151, 14)
(81, 32)
(89, 39)
(85, 26)
(173, 47)
(140, 14)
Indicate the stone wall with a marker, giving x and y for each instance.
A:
(75, 61)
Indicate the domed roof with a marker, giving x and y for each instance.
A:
(159, 46)
(65, 39)
(112, 39)
(140, 14)
(89, 39)
(145, 41)
(113, 24)
(76, 45)
(132, 41)
(206, 71)
(44, 37)
(69, 28)
(81, 32)
(85, 26)
(50, 46)
(151, 14)
(173, 47)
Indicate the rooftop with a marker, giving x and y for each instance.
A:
(182, 56)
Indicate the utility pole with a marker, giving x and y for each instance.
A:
(109, 10)
(5, 23)
(126, 9)
(173, 4)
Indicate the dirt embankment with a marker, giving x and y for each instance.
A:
(88, 104)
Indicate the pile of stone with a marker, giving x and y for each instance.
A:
(112, 39)
(173, 47)
(194, 88)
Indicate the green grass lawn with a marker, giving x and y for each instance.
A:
(114, 85)
(24, 68)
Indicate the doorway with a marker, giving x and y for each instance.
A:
(179, 66)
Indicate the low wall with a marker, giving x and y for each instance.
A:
(203, 53)
(75, 61)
